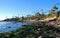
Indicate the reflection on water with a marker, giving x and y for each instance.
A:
(9, 26)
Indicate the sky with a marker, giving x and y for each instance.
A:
(9, 8)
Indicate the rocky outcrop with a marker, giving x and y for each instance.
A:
(52, 22)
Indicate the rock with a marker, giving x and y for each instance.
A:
(40, 37)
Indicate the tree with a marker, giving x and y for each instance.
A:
(38, 15)
(42, 15)
(53, 11)
(58, 13)
(55, 8)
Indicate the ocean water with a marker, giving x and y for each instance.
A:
(10, 26)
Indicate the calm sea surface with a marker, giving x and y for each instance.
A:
(10, 26)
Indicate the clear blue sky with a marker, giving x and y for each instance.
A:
(11, 8)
